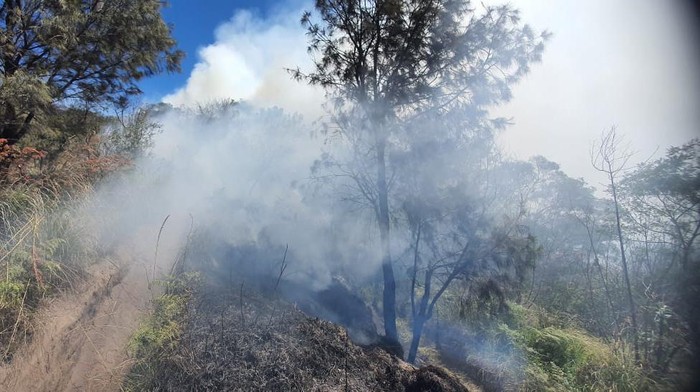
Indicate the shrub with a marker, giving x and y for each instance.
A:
(567, 359)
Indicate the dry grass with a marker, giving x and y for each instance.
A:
(44, 241)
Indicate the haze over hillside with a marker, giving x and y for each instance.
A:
(392, 195)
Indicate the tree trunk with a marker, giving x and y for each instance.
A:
(417, 330)
(421, 315)
(10, 124)
(12, 127)
(630, 298)
(603, 279)
(389, 293)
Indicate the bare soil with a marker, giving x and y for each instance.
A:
(80, 338)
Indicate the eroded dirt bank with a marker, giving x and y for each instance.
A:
(80, 338)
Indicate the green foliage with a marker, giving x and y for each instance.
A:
(76, 53)
(131, 135)
(677, 175)
(566, 349)
(413, 53)
(21, 93)
(529, 349)
(154, 344)
(11, 291)
(60, 127)
(569, 359)
(44, 246)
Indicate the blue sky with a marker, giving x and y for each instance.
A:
(628, 63)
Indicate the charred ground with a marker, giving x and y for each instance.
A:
(238, 337)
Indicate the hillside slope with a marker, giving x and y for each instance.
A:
(238, 339)
(80, 338)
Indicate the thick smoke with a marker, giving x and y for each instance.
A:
(248, 61)
(242, 175)
(634, 66)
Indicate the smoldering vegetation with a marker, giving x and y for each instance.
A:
(265, 207)
(262, 211)
(507, 272)
(241, 175)
(242, 333)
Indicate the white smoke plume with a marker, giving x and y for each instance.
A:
(244, 177)
(249, 60)
(625, 63)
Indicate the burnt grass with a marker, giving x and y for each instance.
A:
(241, 339)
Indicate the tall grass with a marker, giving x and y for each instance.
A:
(45, 244)
(560, 356)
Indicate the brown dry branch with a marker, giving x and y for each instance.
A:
(155, 256)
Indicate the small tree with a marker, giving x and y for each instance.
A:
(669, 190)
(131, 133)
(450, 248)
(611, 158)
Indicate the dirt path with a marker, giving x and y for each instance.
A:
(80, 340)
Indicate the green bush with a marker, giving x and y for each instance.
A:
(571, 360)
(531, 349)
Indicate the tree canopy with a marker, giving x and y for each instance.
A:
(76, 53)
(392, 65)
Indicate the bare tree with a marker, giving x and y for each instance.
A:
(611, 157)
